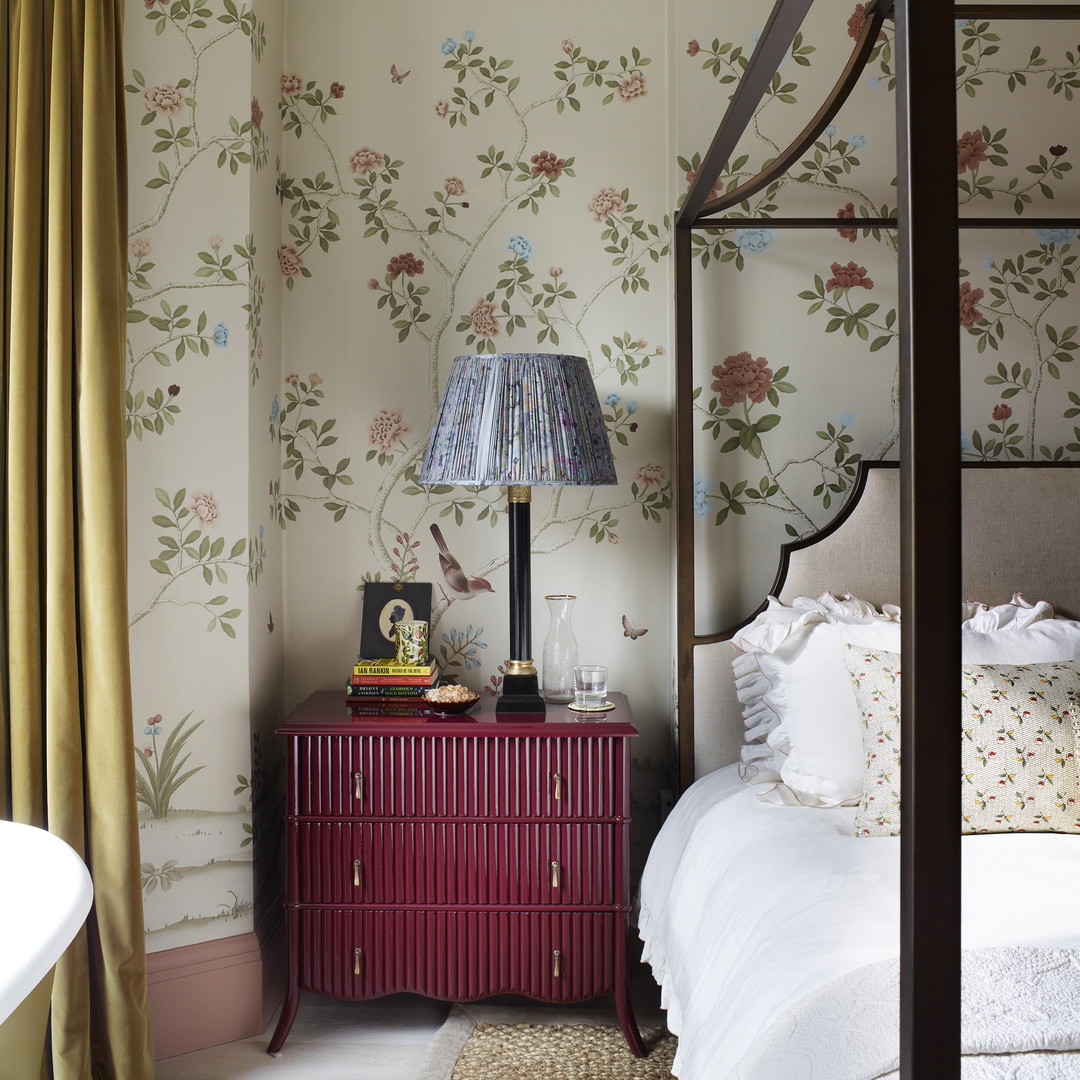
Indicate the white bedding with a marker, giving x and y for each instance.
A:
(749, 908)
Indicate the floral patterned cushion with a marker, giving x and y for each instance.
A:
(1020, 725)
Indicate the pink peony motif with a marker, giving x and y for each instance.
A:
(547, 163)
(364, 160)
(386, 429)
(567, 46)
(454, 185)
(373, 284)
(971, 150)
(741, 377)
(848, 277)
(315, 379)
(714, 191)
(202, 503)
(291, 84)
(216, 240)
(139, 247)
(556, 271)
(407, 264)
(606, 201)
(693, 48)
(847, 212)
(256, 114)
(612, 538)
(442, 108)
(632, 86)
(292, 378)
(856, 22)
(337, 90)
(290, 260)
(969, 297)
(165, 100)
(649, 475)
(484, 323)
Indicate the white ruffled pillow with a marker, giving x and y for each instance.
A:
(802, 723)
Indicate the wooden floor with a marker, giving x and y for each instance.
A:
(385, 1039)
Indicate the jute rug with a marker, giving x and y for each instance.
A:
(488, 1042)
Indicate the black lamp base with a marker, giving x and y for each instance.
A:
(520, 694)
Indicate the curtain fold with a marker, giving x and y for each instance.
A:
(66, 761)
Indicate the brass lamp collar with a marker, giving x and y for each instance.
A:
(520, 667)
(519, 493)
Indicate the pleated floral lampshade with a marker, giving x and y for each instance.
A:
(519, 419)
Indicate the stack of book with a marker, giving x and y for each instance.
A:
(387, 688)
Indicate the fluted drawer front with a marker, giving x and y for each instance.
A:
(456, 863)
(459, 956)
(483, 777)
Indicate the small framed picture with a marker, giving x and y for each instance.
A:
(386, 603)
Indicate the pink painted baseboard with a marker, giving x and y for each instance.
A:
(216, 991)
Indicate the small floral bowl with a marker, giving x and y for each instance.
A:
(453, 707)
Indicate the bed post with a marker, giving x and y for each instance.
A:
(930, 541)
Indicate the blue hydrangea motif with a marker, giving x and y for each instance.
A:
(1056, 235)
(519, 245)
(754, 241)
(448, 46)
(221, 335)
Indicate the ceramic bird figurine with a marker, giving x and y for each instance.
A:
(460, 584)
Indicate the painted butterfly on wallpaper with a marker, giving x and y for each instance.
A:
(397, 77)
(631, 631)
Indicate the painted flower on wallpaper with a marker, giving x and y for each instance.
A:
(442, 107)
(221, 335)
(484, 323)
(971, 150)
(969, 297)
(139, 247)
(856, 22)
(174, 389)
(567, 46)
(858, 141)
(831, 130)
(292, 378)
(549, 164)
(693, 48)
(290, 260)
(386, 429)
(337, 90)
(556, 271)
(740, 377)
(612, 399)
(314, 379)
(275, 410)
(165, 100)
(205, 508)
(702, 487)
(632, 86)
(448, 46)
(714, 192)
(1056, 235)
(406, 263)
(847, 212)
(256, 114)
(364, 160)
(291, 83)
(454, 185)
(1002, 412)
(1057, 150)
(754, 241)
(520, 246)
(650, 475)
(469, 35)
(848, 277)
(215, 240)
(605, 202)
(845, 419)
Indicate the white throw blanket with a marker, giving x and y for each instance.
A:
(756, 916)
(1017, 1004)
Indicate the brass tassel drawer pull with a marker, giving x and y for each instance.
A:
(557, 777)
(556, 969)
(554, 873)
(356, 961)
(356, 873)
(358, 785)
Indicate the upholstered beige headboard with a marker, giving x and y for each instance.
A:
(1021, 532)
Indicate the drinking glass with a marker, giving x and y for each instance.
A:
(590, 686)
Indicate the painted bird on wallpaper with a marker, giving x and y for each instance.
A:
(459, 582)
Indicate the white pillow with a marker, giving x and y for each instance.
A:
(803, 725)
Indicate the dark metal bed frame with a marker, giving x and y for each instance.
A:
(928, 221)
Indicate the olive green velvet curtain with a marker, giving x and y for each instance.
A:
(66, 760)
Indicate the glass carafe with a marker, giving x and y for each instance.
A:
(560, 651)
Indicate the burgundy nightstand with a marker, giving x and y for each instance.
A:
(458, 858)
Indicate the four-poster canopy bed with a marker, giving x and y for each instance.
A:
(925, 536)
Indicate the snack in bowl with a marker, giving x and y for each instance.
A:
(451, 699)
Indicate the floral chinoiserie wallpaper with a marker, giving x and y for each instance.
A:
(331, 200)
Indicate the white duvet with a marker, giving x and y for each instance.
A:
(774, 933)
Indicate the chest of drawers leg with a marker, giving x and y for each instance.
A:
(458, 861)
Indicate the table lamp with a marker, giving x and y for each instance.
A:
(519, 420)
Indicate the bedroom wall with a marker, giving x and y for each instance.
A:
(334, 236)
(331, 200)
(809, 316)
